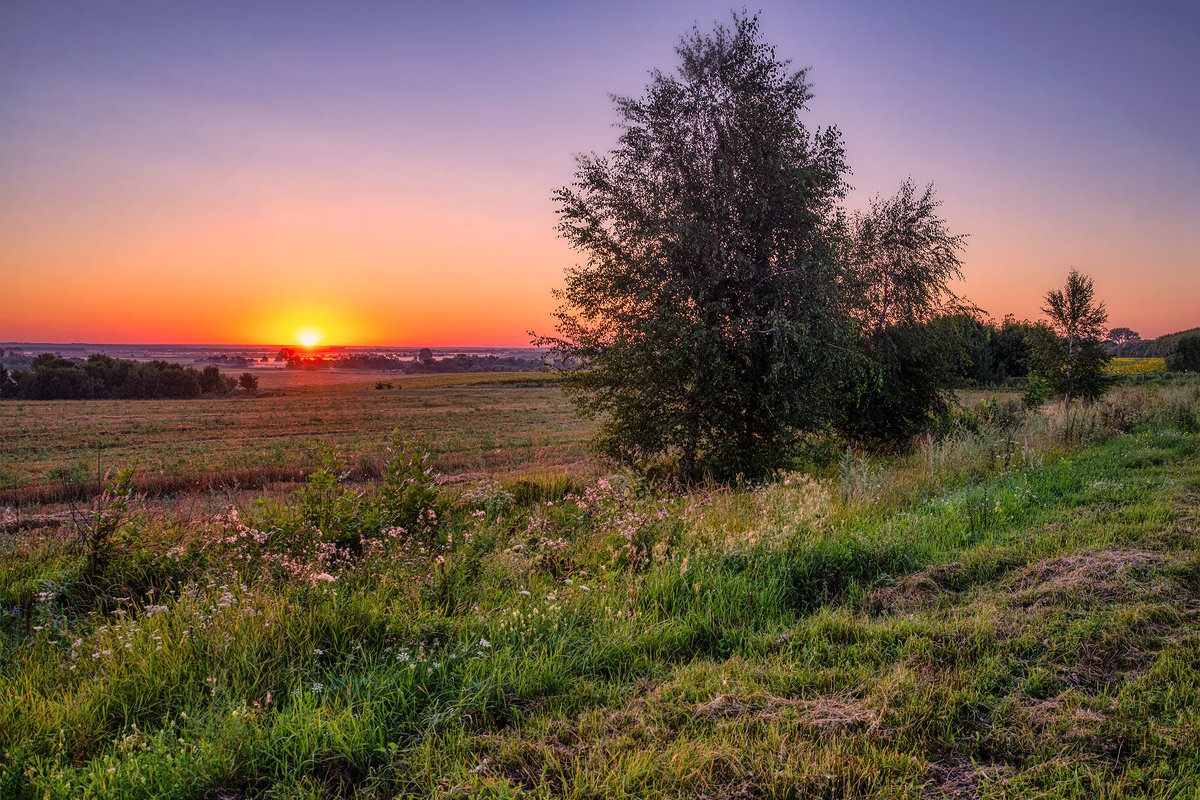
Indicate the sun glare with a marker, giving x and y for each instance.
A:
(308, 337)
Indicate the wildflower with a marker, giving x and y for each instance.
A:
(484, 643)
(324, 576)
(318, 688)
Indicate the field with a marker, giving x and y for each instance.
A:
(1137, 366)
(470, 423)
(1013, 610)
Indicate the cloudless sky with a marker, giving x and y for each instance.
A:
(197, 171)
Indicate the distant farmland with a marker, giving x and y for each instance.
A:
(470, 423)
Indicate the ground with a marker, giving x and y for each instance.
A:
(1010, 611)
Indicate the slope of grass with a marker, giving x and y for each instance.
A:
(1009, 612)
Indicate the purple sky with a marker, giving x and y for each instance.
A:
(384, 170)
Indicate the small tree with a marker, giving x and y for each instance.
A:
(248, 382)
(210, 378)
(213, 382)
(1072, 360)
(901, 257)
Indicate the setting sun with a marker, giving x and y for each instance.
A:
(308, 337)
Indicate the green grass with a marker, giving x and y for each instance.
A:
(1008, 612)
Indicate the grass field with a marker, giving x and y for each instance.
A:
(471, 423)
(1011, 611)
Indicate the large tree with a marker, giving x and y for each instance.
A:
(1072, 360)
(704, 324)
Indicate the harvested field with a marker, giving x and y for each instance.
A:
(470, 423)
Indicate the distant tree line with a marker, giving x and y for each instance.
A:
(992, 354)
(235, 361)
(1126, 343)
(423, 363)
(50, 377)
(465, 363)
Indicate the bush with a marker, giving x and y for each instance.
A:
(408, 498)
(1037, 392)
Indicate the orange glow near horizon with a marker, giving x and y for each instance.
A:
(219, 173)
(309, 337)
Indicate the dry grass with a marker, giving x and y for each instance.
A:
(921, 590)
(483, 423)
(1089, 578)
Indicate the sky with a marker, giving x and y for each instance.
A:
(191, 171)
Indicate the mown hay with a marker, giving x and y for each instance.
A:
(825, 714)
(1092, 577)
(925, 589)
(962, 779)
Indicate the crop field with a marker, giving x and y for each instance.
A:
(470, 423)
(1137, 366)
(1012, 610)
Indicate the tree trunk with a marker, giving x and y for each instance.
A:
(687, 466)
(1070, 364)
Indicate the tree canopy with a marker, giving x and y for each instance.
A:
(729, 306)
(1186, 355)
(100, 376)
(899, 257)
(706, 320)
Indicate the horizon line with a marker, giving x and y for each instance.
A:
(294, 346)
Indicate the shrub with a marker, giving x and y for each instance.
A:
(1037, 392)
(409, 497)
